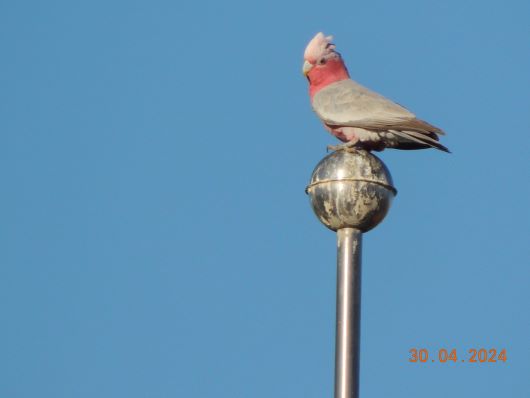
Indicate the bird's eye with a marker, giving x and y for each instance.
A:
(321, 61)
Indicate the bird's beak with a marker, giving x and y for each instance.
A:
(306, 68)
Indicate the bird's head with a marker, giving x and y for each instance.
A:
(322, 64)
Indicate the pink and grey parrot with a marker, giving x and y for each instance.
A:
(355, 115)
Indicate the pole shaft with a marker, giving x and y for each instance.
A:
(347, 339)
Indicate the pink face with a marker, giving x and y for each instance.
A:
(327, 69)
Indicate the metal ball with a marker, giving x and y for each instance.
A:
(351, 190)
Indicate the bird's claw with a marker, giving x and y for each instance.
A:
(342, 147)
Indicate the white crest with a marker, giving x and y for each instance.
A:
(319, 46)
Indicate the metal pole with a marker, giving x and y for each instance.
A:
(350, 192)
(348, 333)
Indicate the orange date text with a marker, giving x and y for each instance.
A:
(473, 355)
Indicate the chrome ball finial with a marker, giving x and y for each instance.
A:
(351, 190)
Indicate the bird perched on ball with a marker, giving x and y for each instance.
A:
(356, 115)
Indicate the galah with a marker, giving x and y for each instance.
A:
(356, 115)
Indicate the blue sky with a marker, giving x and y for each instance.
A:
(156, 240)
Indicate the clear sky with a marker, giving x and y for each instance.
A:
(155, 237)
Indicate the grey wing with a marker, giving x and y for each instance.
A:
(347, 103)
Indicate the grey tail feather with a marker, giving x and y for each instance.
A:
(424, 140)
(422, 125)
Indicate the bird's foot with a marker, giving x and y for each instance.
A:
(348, 147)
